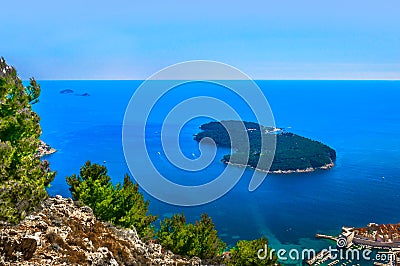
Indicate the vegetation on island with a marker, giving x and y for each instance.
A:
(23, 175)
(293, 152)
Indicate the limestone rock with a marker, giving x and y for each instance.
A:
(62, 233)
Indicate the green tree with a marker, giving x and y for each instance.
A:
(246, 253)
(199, 239)
(122, 205)
(23, 176)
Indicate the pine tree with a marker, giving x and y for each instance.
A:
(199, 239)
(23, 175)
(121, 205)
(246, 253)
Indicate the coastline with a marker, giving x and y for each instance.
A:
(307, 170)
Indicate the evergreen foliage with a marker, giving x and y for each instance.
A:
(245, 253)
(199, 239)
(122, 205)
(23, 176)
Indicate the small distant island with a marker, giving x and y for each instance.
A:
(293, 154)
(69, 91)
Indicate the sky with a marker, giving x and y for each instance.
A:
(279, 39)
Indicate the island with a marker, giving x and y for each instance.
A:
(293, 154)
(83, 94)
(67, 91)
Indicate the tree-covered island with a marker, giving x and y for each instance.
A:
(293, 153)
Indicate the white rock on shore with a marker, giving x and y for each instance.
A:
(45, 149)
(307, 170)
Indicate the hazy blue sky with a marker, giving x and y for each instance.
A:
(280, 39)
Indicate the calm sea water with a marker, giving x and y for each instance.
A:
(360, 119)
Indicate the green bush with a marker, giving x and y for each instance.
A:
(199, 239)
(245, 253)
(23, 176)
(122, 205)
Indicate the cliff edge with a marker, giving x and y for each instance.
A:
(63, 233)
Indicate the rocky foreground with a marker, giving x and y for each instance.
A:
(62, 233)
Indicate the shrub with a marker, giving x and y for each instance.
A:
(23, 176)
(245, 253)
(199, 239)
(122, 205)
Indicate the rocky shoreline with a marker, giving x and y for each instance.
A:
(307, 170)
(45, 149)
(63, 233)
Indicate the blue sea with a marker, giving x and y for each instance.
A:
(359, 119)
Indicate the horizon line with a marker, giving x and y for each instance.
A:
(266, 79)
